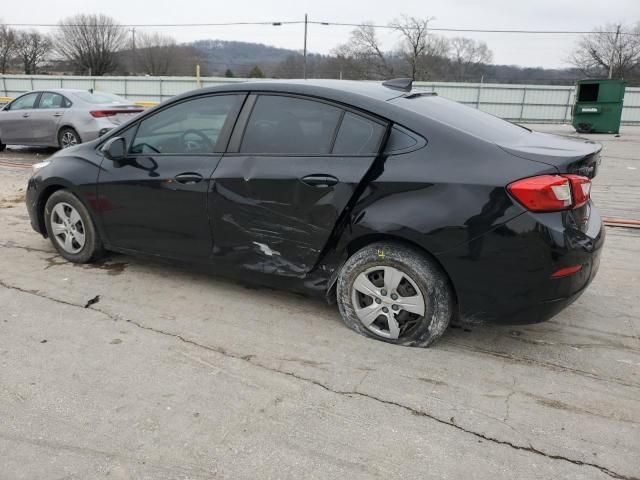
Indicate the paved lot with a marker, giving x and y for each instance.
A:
(134, 370)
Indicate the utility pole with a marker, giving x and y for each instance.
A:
(133, 50)
(304, 64)
(613, 51)
(133, 39)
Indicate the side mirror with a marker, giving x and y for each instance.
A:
(115, 148)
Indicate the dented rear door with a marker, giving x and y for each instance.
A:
(275, 200)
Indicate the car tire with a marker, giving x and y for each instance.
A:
(2, 146)
(68, 137)
(71, 228)
(408, 299)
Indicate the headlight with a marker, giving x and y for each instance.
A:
(39, 166)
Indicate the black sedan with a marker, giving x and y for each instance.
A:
(407, 209)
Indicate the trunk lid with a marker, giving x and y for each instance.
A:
(118, 114)
(575, 155)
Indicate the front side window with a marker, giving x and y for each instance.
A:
(191, 127)
(52, 100)
(25, 102)
(290, 125)
(358, 136)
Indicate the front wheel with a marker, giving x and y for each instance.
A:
(71, 229)
(395, 293)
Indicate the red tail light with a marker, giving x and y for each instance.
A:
(111, 113)
(551, 193)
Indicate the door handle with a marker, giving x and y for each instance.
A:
(320, 180)
(57, 114)
(188, 178)
(25, 115)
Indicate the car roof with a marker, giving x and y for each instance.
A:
(63, 90)
(340, 90)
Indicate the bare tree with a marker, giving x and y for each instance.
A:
(364, 48)
(611, 48)
(7, 46)
(32, 48)
(466, 53)
(156, 54)
(90, 42)
(418, 47)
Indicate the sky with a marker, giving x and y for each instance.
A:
(549, 50)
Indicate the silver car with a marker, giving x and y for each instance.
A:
(62, 117)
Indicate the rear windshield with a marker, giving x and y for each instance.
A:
(101, 98)
(462, 117)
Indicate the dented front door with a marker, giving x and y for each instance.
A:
(275, 214)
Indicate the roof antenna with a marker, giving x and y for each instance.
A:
(402, 84)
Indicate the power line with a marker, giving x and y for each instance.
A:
(157, 25)
(331, 24)
(472, 30)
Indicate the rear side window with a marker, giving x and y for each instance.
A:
(25, 102)
(52, 100)
(400, 139)
(190, 127)
(290, 125)
(358, 136)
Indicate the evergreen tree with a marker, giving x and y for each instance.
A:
(256, 72)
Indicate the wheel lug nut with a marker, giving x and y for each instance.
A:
(394, 307)
(385, 309)
(378, 301)
(394, 296)
(383, 292)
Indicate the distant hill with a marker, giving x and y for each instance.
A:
(218, 55)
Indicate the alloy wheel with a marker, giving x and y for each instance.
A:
(387, 301)
(68, 139)
(67, 228)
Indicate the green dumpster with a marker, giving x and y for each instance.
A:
(598, 106)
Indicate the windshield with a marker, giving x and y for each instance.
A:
(462, 117)
(101, 98)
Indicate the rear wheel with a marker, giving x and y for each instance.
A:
(2, 146)
(395, 293)
(71, 229)
(68, 137)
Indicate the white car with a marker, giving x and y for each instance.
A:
(62, 117)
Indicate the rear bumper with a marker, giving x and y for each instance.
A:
(95, 129)
(505, 276)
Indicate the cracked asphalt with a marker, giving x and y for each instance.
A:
(130, 369)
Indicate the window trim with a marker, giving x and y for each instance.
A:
(247, 111)
(225, 132)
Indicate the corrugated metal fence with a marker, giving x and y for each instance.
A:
(523, 103)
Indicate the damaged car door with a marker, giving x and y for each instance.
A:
(155, 199)
(292, 166)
